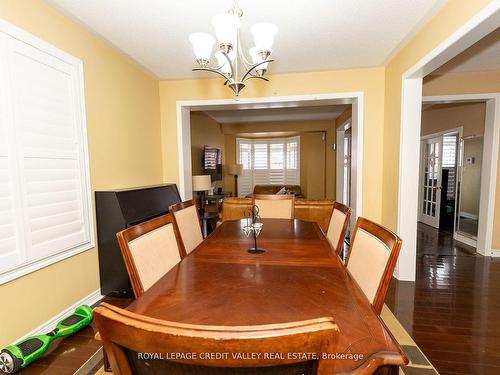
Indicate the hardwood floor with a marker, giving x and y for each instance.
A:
(71, 354)
(452, 311)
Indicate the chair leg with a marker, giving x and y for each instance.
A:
(107, 365)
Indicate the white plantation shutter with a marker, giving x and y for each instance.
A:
(44, 183)
(9, 229)
(244, 156)
(292, 162)
(276, 163)
(267, 161)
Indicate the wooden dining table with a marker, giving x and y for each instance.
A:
(298, 277)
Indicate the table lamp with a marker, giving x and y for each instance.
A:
(235, 169)
(202, 183)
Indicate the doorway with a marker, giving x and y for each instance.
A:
(344, 163)
(355, 99)
(450, 178)
(480, 25)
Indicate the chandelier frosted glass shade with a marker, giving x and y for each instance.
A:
(226, 29)
(258, 57)
(202, 46)
(232, 64)
(263, 35)
(224, 65)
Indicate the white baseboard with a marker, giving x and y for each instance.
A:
(466, 240)
(495, 253)
(51, 323)
(468, 215)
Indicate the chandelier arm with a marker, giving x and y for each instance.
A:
(249, 71)
(255, 76)
(230, 64)
(213, 71)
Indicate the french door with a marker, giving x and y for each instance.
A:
(430, 181)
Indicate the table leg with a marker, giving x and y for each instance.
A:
(205, 230)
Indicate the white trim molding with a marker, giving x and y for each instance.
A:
(458, 236)
(356, 99)
(495, 253)
(50, 324)
(484, 22)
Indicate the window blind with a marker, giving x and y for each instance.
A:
(45, 210)
(268, 161)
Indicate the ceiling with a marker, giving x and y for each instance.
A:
(313, 35)
(277, 114)
(484, 55)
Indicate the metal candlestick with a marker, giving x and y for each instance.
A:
(255, 228)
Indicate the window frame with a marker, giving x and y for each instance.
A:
(268, 141)
(26, 266)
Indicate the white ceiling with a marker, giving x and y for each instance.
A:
(484, 55)
(313, 34)
(277, 114)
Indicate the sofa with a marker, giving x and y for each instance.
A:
(319, 211)
(273, 189)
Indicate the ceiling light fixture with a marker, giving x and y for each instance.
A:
(230, 58)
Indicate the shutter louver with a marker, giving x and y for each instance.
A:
(273, 161)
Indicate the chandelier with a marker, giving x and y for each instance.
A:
(232, 64)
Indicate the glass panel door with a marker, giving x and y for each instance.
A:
(430, 189)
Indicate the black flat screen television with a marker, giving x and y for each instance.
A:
(212, 162)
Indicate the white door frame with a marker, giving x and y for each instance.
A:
(476, 28)
(489, 166)
(459, 131)
(356, 99)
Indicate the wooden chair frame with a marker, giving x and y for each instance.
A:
(180, 206)
(272, 197)
(130, 234)
(347, 212)
(393, 242)
(121, 329)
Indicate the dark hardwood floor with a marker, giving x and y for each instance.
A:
(452, 311)
(67, 356)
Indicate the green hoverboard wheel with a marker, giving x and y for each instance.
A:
(18, 356)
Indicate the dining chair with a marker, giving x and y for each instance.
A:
(187, 220)
(337, 229)
(274, 206)
(127, 335)
(150, 250)
(371, 260)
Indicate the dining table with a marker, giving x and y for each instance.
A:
(298, 277)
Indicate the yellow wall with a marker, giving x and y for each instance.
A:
(442, 117)
(453, 15)
(369, 81)
(471, 177)
(462, 83)
(313, 164)
(205, 131)
(316, 182)
(122, 104)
